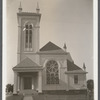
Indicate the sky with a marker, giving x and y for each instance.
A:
(62, 21)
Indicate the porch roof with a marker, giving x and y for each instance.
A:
(27, 63)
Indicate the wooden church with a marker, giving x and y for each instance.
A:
(49, 68)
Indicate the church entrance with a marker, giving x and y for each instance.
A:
(27, 83)
(29, 80)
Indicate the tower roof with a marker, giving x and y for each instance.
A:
(20, 14)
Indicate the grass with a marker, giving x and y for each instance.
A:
(14, 97)
(49, 97)
(61, 97)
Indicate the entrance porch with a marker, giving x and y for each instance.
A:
(27, 82)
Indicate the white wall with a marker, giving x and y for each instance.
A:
(61, 60)
(81, 81)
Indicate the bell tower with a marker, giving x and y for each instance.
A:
(28, 33)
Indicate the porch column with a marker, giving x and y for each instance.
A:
(40, 81)
(18, 82)
(67, 79)
(21, 83)
(32, 83)
(15, 83)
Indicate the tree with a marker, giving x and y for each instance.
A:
(9, 88)
(90, 85)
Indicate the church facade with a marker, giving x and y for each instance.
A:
(47, 69)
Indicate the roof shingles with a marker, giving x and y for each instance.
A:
(27, 63)
(50, 46)
(72, 67)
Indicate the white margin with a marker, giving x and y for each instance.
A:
(4, 49)
(95, 47)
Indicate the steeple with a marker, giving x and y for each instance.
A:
(65, 46)
(20, 8)
(28, 37)
(37, 8)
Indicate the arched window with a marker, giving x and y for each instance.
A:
(52, 72)
(28, 37)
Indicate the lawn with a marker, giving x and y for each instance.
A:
(49, 97)
(14, 97)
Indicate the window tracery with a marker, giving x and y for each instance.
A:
(52, 72)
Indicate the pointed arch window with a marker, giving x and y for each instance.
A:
(52, 72)
(28, 37)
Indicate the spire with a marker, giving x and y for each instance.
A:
(65, 46)
(84, 67)
(20, 7)
(37, 8)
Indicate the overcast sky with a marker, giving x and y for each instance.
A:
(62, 21)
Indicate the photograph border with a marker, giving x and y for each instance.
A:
(96, 9)
(0, 49)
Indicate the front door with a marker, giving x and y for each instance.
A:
(27, 82)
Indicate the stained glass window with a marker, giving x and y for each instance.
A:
(52, 72)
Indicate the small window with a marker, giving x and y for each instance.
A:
(75, 79)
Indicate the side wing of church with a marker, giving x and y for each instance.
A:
(50, 68)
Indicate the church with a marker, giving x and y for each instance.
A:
(49, 68)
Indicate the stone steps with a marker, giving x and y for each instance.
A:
(28, 92)
(28, 97)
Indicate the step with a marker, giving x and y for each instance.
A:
(28, 97)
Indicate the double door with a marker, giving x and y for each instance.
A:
(27, 82)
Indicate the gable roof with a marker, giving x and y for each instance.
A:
(72, 67)
(27, 63)
(50, 48)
